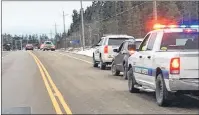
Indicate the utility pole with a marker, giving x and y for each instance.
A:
(64, 21)
(64, 30)
(90, 34)
(82, 18)
(56, 34)
(21, 44)
(155, 10)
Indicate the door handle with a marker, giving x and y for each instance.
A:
(149, 57)
(140, 56)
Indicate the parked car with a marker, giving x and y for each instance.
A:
(104, 54)
(166, 63)
(41, 46)
(120, 61)
(29, 47)
(48, 45)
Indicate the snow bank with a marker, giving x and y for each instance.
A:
(86, 52)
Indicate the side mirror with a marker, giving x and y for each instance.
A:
(115, 50)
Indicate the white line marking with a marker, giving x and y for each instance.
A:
(76, 58)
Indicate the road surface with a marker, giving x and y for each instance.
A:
(50, 82)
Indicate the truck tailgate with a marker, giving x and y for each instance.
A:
(189, 65)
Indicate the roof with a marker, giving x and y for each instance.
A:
(118, 36)
(139, 39)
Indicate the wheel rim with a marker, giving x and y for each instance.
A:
(113, 68)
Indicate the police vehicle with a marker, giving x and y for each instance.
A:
(166, 62)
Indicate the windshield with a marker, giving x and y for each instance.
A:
(49, 43)
(137, 43)
(117, 41)
(179, 41)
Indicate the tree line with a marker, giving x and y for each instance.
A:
(15, 40)
(128, 17)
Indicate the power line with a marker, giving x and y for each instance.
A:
(121, 12)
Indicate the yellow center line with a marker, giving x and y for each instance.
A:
(58, 93)
(53, 99)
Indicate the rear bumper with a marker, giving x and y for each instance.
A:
(29, 48)
(107, 58)
(184, 84)
(49, 48)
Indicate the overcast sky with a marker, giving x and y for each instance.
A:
(22, 17)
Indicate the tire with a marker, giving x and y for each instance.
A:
(162, 95)
(102, 65)
(131, 81)
(95, 64)
(125, 72)
(114, 71)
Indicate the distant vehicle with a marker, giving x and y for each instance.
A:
(7, 47)
(166, 63)
(41, 46)
(29, 47)
(120, 61)
(48, 45)
(104, 54)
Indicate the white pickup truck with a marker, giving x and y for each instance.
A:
(104, 54)
(167, 63)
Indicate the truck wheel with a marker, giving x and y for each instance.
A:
(95, 64)
(161, 92)
(102, 65)
(114, 70)
(131, 81)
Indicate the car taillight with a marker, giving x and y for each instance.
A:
(105, 49)
(175, 66)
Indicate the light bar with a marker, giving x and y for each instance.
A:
(194, 26)
(183, 26)
(160, 26)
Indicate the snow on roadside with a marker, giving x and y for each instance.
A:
(86, 52)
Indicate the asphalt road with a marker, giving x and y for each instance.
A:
(84, 89)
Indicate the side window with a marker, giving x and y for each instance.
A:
(143, 46)
(105, 41)
(151, 41)
(101, 41)
(125, 44)
(121, 46)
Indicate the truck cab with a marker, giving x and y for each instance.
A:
(166, 62)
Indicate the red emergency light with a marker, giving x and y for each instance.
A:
(160, 26)
(188, 30)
